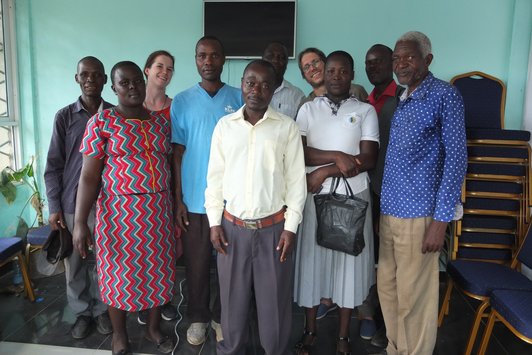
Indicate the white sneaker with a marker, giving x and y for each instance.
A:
(196, 333)
(218, 329)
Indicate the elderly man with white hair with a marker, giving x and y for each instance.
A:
(423, 173)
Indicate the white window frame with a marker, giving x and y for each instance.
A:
(10, 56)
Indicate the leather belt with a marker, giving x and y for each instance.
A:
(256, 223)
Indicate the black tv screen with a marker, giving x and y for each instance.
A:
(246, 27)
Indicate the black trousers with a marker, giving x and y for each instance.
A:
(198, 252)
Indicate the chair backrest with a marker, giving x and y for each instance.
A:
(524, 255)
(484, 99)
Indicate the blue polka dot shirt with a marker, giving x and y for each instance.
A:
(427, 156)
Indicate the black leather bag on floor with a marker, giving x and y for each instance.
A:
(341, 220)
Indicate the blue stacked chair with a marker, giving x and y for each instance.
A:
(484, 99)
(35, 240)
(496, 200)
(478, 279)
(514, 309)
(484, 102)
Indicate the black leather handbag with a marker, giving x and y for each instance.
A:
(341, 220)
(58, 245)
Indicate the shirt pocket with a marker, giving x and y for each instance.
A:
(271, 154)
(351, 121)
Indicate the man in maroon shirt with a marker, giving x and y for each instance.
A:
(384, 98)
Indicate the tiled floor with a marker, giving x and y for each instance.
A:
(48, 322)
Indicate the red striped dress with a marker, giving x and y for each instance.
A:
(134, 233)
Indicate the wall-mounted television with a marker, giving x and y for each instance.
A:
(246, 27)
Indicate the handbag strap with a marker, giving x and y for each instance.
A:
(334, 185)
(336, 182)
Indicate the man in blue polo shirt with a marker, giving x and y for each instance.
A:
(194, 114)
(423, 174)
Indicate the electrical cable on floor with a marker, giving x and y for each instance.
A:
(180, 316)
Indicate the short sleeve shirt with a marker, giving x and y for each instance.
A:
(194, 114)
(339, 128)
(135, 152)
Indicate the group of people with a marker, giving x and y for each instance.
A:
(235, 170)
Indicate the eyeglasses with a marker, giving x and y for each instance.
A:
(314, 64)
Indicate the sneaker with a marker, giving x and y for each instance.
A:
(368, 328)
(379, 339)
(218, 329)
(168, 312)
(197, 333)
(82, 327)
(142, 317)
(324, 309)
(103, 324)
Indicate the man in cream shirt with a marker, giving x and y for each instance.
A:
(256, 189)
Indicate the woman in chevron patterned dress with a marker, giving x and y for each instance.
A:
(125, 151)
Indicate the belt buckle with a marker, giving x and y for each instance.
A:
(250, 224)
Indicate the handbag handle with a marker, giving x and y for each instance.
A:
(334, 185)
(336, 182)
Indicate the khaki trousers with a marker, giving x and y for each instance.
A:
(407, 282)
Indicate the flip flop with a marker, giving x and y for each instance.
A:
(164, 345)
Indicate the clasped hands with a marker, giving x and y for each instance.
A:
(348, 165)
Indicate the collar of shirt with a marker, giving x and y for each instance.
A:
(281, 87)
(388, 92)
(269, 114)
(78, 106)
(421, 91)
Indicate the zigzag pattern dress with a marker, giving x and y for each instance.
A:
(134, 234)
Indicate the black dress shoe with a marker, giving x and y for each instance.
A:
(142, 317)
(168, 312)
(82, 327)
(379, 339)
(103, 324)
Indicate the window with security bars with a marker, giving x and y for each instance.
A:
(8, 121)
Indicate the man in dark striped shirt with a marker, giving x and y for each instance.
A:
(63, 168)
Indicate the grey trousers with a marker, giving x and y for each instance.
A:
(83, 293)
(252, 263)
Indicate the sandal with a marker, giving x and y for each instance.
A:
(164, 345)
(340, 339)
(126, 351)
(122, 352)
(304, 347)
